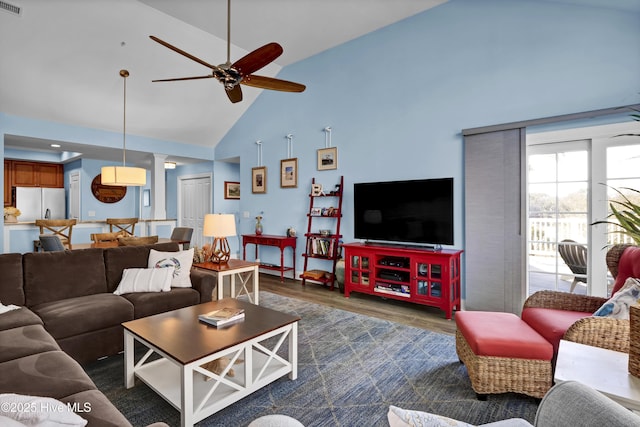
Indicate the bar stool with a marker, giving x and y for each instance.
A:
(182, 235)
(58, 227)
(126, 225)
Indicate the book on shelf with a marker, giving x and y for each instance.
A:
(222, 316)
(321, 246)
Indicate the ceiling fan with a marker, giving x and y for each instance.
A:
(231, 75)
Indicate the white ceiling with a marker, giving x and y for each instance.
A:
(60, 59)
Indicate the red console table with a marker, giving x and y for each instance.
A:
(270, 240)
(410, 274)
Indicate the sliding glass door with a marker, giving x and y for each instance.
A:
(558, 216)
(570, 183)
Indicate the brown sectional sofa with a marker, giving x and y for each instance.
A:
(69, 315)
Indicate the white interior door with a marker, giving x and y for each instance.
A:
(194, 203)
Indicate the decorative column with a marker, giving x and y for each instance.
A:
(158, 187)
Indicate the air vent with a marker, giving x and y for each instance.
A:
(8, 7)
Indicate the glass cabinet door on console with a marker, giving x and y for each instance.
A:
(428, 276)
(359, 267)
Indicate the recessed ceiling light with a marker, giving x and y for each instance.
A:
(55, 145)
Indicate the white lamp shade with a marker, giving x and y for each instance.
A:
(219, 225)
(123, 175)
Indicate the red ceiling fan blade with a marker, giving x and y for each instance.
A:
(183, 53)
(272, 83)
(234, 94)
(183, 78)
(257, 59)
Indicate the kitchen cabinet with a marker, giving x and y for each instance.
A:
(35, 174)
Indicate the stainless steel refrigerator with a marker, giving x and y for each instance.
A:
(41, 203)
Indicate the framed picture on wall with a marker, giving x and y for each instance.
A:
(259, 179)
(289, 173)
(232, 190)
(327, 158)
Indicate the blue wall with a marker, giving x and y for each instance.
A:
(397, 99)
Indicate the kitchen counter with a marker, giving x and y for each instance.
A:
(19, 236)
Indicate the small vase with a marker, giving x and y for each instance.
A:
(10, 218)
(258, 227)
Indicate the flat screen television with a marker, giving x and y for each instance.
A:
(416, 211)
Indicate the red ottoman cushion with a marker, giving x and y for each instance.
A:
(502, 335)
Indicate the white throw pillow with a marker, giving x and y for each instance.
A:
(145, 280)
(399, 417)
(38, 411)
(617, 307)
(7, 308)
(181, 262)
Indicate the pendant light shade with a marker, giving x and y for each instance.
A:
(124, 175)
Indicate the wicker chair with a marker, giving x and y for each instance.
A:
(612, 334)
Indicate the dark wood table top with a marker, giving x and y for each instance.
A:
(183, 337)
(232, 264)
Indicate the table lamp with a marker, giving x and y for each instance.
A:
(219, 226)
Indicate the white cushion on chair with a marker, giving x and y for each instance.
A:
(617, 307)
(275, 421)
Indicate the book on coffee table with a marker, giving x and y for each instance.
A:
(222, 316)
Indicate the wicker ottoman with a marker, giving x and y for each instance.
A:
(503, 354)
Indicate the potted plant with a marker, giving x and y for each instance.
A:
(627, 214)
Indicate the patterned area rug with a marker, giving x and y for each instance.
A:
(351, 368)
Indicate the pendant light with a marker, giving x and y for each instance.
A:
(124, 175)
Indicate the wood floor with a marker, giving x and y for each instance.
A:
(416, 315)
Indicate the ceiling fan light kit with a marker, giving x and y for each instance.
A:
(123, 175)
(231, 75)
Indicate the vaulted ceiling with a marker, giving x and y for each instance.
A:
(60, 59)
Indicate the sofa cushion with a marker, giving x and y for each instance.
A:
(628, 266)
(74, 316)
(502, 335)
(50, 374)
(121, 257)
(94, 407)
(551, 323)
(11, 285)
(21, 317)
(25, 341)
(149, 303)
(55, 276)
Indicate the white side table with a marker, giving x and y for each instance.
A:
(604, 370)
(243, 270)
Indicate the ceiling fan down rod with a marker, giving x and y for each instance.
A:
(229, 32)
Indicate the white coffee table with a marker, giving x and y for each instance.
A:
(184, 344)
(604, 370)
